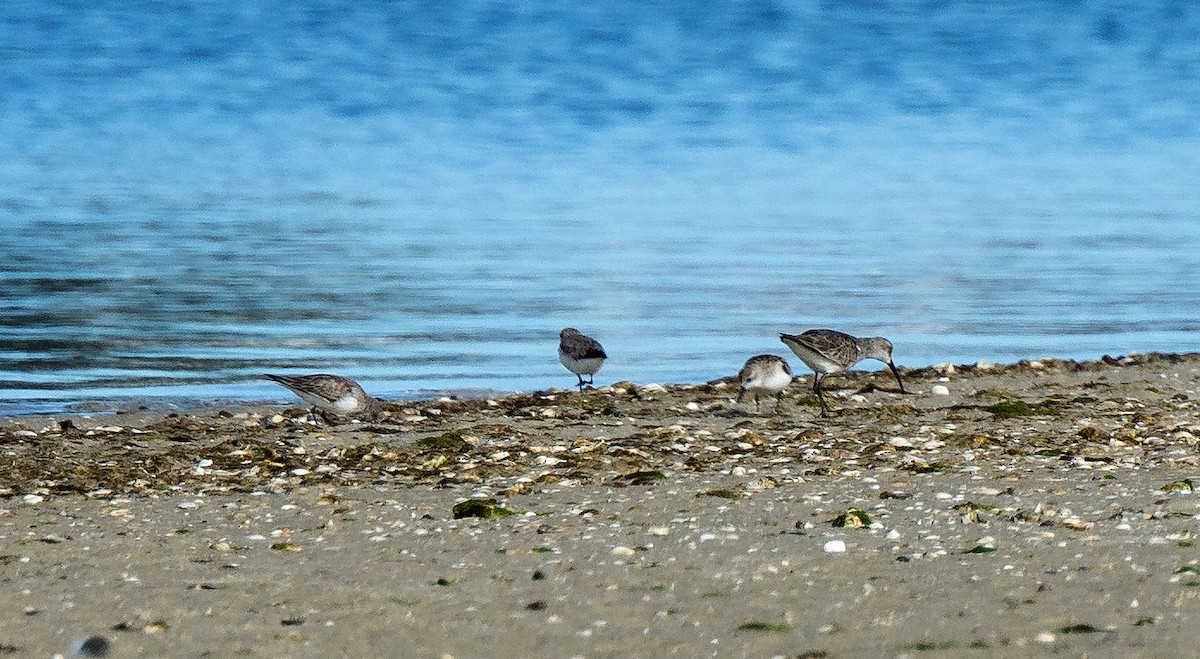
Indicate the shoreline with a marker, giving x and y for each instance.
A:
(100, 404)
(1045, 505)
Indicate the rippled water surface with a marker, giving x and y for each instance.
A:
(421, 197)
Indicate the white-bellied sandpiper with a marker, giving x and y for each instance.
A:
(333, 394)
(829, 351)
(581, 354)
(764, 374)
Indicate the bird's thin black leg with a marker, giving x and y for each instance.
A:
(896, 372)
(820, 396)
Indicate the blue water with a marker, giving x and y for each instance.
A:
(420, 195)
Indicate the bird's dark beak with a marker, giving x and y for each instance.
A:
(897, 374)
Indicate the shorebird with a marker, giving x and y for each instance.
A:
(332, 394)
(764, 374)
(829, 351)
(580, 354)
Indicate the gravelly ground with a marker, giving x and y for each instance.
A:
(1042, 508)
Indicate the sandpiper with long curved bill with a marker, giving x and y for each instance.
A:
(580, 353)
(830, 351)
(332, 394)
(764, 374)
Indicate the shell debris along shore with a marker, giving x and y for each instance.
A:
(583, 521)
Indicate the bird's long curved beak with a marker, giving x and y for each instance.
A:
(897, 374)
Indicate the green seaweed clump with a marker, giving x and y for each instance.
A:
(641, 477)
(483, 508)
(449, 440)
(1011, 409)
(928, 467)
(1184, 485)
(928, 646)
(971, 505)
(757, 626)
(724, 493)
(852, 519)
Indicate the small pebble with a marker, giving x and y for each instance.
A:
(1077, 524)
(835, 547)
(939, 390)
(96, 646)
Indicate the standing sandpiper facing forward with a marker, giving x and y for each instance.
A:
(580, 354)
(764, 374)
(829, 351)
(330, 393)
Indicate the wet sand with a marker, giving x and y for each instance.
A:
(1036, 509)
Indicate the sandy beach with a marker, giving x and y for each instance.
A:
(1043, 508)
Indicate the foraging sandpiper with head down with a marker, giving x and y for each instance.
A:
(764, 374)
(581, 354)
(829, 351)
(331, 394)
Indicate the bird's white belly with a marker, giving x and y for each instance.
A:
(343, 405)
(772, 382)
(585, 366)
(346, 404)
